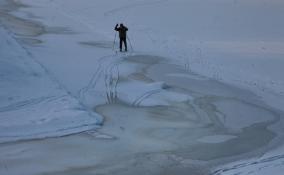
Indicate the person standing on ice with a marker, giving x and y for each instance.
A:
(122, 35)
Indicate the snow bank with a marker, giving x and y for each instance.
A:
(32, 104)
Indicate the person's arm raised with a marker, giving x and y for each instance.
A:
(116, 27)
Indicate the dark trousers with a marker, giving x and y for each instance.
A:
(123, 40)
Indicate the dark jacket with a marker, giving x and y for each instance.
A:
(122, 30)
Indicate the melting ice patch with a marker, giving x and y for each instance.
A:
(149, 94)
(216, 138)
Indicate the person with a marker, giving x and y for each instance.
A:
(122, 35)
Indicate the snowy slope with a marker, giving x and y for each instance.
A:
(33, 103)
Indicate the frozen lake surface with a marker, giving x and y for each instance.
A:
(152, 132)
(190, 100)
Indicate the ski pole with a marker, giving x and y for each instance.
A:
(130, 44)
(114, 41)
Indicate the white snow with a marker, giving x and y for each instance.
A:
(33, 104)
(239, 42)
(50, 89)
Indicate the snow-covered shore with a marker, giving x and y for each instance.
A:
(181, 103)
(33, 103)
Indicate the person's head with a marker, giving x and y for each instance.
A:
(121, 25)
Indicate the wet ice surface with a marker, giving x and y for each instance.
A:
(212, 121)
(211, 124)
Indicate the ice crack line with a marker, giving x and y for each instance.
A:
(21, 104)
(253, 163)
